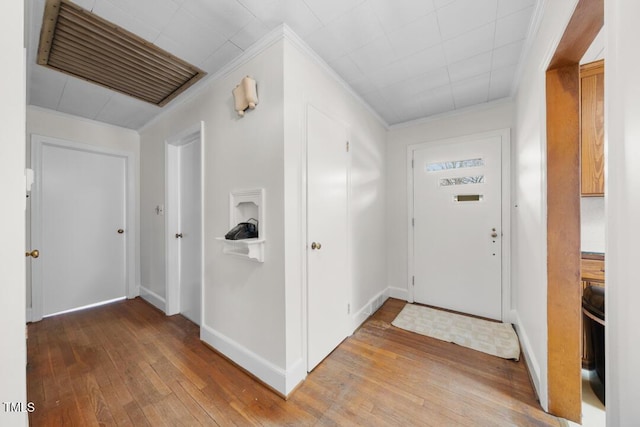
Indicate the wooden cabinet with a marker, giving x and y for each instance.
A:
(592, 128)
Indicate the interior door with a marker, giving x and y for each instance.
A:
(190, 240)
(457, 226)
(82, 220)
(328, 282)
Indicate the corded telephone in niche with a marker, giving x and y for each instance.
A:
(244, 230)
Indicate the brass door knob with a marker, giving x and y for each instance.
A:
(178, 235)
(33, 254)
(315, 245)
(120, 231)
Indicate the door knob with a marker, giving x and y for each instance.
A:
(494, 234)
(33, 254)
(120, 231)
(178, 235)
(315, 245)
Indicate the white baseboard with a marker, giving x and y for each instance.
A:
(29, 314)
(153, 298)
(275, 377)
(532, 362)
(398, 293)
(369, 308)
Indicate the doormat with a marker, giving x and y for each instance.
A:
(498, 339)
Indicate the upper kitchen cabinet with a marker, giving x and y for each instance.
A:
(592, 128)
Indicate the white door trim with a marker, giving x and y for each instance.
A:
(505, 137)
(37, 142)
(172, 281)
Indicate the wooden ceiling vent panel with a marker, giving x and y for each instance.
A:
(77, 42)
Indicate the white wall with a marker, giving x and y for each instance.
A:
(309, 83)
(41, 121)
(529, 268)
(476, 120)
(12, 193)
(244, 304)
(622, 109)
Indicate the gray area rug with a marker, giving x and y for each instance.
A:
(498, 339)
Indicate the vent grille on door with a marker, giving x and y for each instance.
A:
(77, 42)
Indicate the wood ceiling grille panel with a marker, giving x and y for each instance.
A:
(77, 42)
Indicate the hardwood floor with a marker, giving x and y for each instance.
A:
(128, 364)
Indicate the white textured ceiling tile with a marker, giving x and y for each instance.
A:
(327, 44)
(362, 85)
(374, 55)
(401, 91)
(507, 7)
(329, 10)
(251, 33)
(85, 4)
(227, 17)
(438, 100)
(193, 45)
(137, 26)
(472, 91)
(442, 3)
(45, 87)
(388, 75)
(127, 112)
(356, 28)
(501, 82)
(471, 67)
(470, 44)
(415, 36)
(346, 68)
(507, 55)
(394, 15)
(465, 15)
(426, 60)
(83, 99)
(221, 57)
(295, 13)
(513, 27)
(155, 13)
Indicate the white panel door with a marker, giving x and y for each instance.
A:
(190, 264)
(83, 228)
(328, 282)
(457, 230)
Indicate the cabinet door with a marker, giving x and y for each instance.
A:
(592, 128)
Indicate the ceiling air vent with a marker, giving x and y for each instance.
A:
(79, 43)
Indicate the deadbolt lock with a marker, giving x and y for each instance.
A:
(178, 235)
(493, 233)
(315, 245)
(120, 231)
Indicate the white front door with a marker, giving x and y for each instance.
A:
(457, 201)
(328, 284)
(79, 211)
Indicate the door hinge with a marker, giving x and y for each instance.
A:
(411, 163)
(413, 222)
(347, 146)
(348, 308)
(413, 280)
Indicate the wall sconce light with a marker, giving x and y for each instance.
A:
(245, 95)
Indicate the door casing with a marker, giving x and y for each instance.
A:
(505, 137)
(37, 142)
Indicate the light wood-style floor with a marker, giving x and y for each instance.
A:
(128, 364)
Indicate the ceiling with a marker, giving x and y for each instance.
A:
(407, 59)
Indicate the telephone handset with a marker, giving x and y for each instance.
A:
(244, 230)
